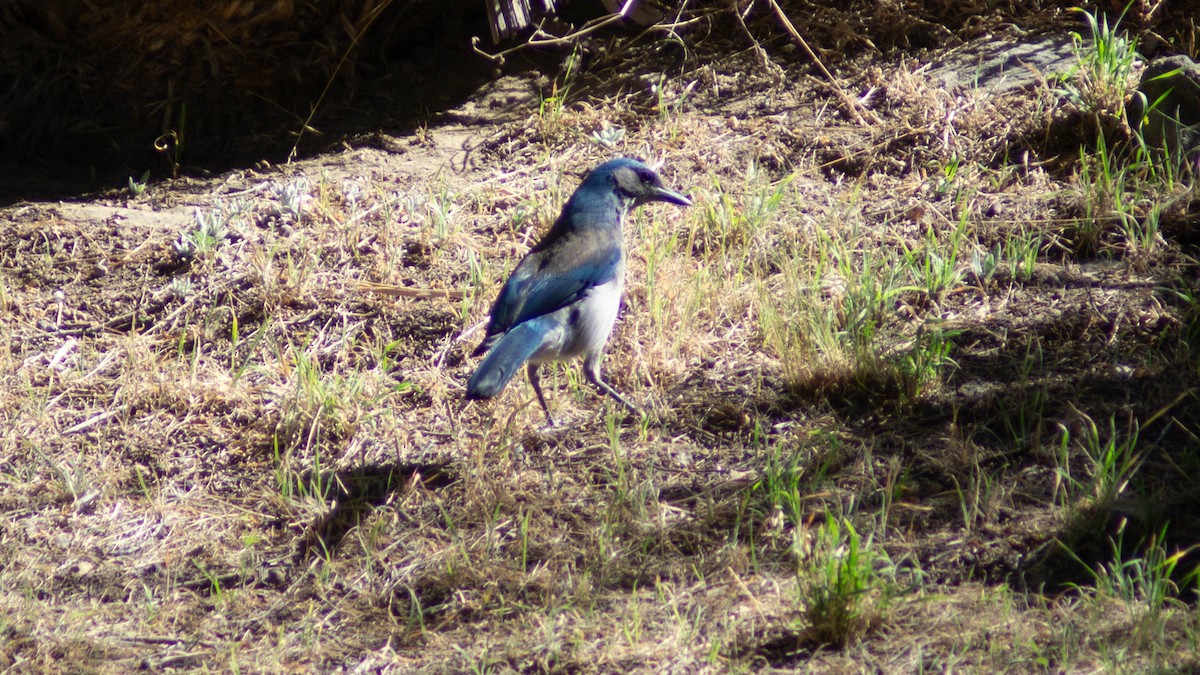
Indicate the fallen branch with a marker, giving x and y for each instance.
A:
(409, 292)
(540, 38)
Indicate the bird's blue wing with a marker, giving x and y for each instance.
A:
(554, 277)
(556, 289)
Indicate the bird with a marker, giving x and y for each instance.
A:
(561, 300)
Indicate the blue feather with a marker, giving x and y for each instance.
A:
(507, 357)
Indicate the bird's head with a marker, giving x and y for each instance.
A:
(634, 182)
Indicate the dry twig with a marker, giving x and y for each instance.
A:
(860, 115)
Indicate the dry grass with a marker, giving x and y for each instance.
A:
(865, 448)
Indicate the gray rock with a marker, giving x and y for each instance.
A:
(1002, 63)
(1170, 89)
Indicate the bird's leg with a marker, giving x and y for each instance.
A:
(536, 380)
(591, 368)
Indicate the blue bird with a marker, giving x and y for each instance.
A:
(562, 299)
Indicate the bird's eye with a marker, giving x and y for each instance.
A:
(646, 176)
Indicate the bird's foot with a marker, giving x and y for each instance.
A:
(627, 413)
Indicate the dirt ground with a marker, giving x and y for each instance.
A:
(234, 435)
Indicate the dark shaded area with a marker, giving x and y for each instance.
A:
(90, 92)
(352, 493)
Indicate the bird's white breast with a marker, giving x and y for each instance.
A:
(586, 324)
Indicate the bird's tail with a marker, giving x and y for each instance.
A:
(505, 359)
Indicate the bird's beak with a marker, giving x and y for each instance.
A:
(664, 195)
